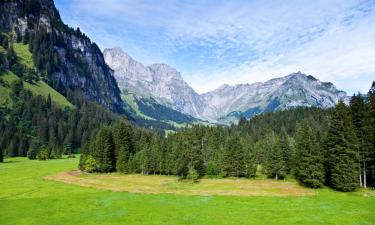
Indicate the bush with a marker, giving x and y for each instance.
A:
(90, 165)
(43, 154)
(192, 175)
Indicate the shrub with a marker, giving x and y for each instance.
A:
(90, 164)
(192, 175)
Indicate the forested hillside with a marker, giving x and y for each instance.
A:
(332, 147)
(65, 58)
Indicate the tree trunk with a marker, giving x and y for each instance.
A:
(276, 176)
(364, 174)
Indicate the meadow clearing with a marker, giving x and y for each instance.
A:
(53, 192)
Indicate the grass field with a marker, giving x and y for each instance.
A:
(27, 197)
(169, 184)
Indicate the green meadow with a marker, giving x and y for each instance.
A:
(28, 197)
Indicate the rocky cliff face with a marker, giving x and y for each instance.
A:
(158, 81)
(69, 59)
(226, 103)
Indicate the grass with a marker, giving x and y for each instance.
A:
(37, 88)
(169, 184)
(27, 197)
(24, 55)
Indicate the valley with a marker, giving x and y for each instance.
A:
(91, 135)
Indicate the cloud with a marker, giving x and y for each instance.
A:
(215, 42)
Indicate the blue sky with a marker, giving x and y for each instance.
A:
(215, 42)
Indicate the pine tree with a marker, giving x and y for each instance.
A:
(233, 161)
(369, 129)
(309, 168)
(122, 137)
(275, 165)
(343, 150)
(104, 152)
(358, 111)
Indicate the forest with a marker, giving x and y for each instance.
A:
(332, 147)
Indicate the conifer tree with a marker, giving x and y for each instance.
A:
(369, 129)
(104, 152)
(343, 150)
(122, 137)
(358, 111)
(309, 168)
(275, 165)
(233, 161)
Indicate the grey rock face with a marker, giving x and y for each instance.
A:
(226, 103)
(159, 81)
(78, 63)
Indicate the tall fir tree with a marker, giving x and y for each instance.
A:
(233, 161)
(104, 151)
(343, 150)
(275, 165)
(370, 132)
(309, 168)
(124, 147)
(358, 115)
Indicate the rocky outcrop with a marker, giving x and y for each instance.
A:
(69, 59)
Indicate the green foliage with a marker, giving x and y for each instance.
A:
(275, 165)
(343, 150)
(90, 164)
(233, 161)
(309, 168)
(123, 141)
(103, 150)
(192, 175)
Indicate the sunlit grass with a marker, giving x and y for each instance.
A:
(27, 197)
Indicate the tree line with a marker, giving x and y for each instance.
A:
(323, 147)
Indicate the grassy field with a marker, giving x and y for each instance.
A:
(137, 183)
(27, 197)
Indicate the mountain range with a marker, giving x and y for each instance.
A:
(151, 95)
(165, 85)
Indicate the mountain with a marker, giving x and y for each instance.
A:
(225, 104)
(68, 59)
(158, 81)
(296, 89)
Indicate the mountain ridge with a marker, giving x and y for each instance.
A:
(227, 102)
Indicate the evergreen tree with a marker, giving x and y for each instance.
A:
(358, 111)
(104, 151)
(343, 150)
(369, 129)
(122, 137)
(309, 168)
(275, 165)
(233, 161)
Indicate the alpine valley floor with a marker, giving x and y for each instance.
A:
(30, 194)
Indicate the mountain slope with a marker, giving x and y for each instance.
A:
(68, 58)
(225, 104)
(159, 81)
(296, 89)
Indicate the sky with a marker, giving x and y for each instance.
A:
(219, 41)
